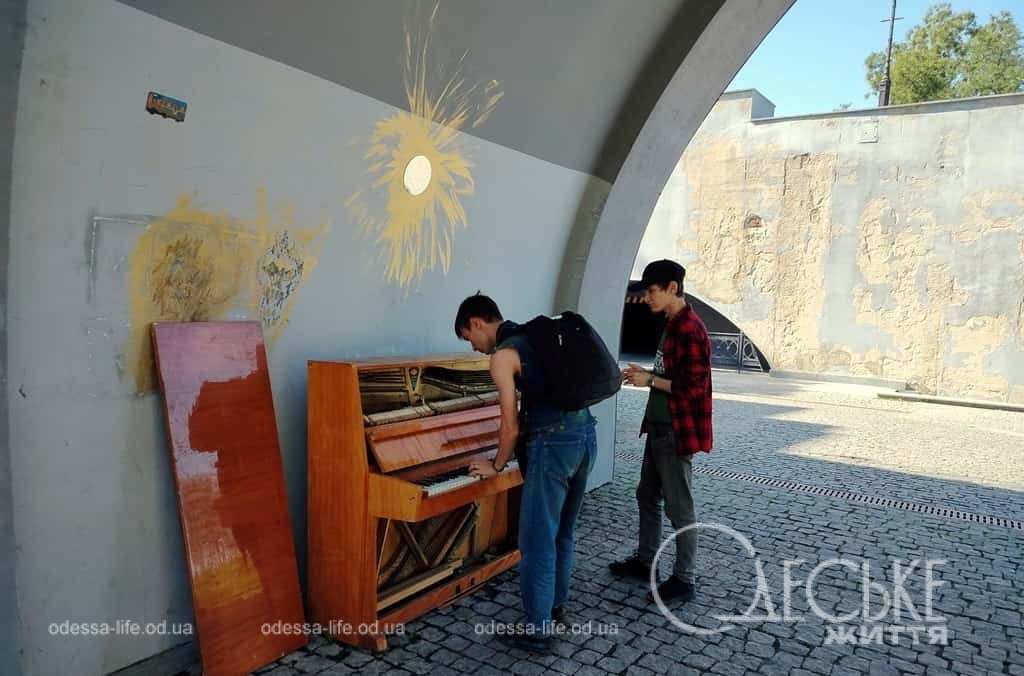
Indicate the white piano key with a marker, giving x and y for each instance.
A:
(459, 482)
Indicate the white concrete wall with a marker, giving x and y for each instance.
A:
(96, 525)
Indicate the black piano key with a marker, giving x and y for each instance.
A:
(438, 478)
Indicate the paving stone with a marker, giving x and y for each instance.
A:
(331, 650)
(466, 665)
(987, 663)
(564, 665)
(906, 667)
(282, 671)
(442, 670)
(586, 656)
(964, 669)
(932, 661)
(717, 652)
(845, 671)
(749, 662)
(312, 664)
(423, 648)
(759, 649)
(591, 670)
(501, 661)
(358, 658)
(656, 663)
(635, 670)
(612, 665)
(398, 656)
(817, 666)
(681, 670)
(626, 654)
(525, 668)
(417, 665)
(479, 652)
(434, 634)
(760, 637)
(728, 669)
(340, 669)
(698, 661)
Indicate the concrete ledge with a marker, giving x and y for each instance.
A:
(838, 378)
(950, 401)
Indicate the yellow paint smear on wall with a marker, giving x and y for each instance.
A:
(195, 264)
(416, 232)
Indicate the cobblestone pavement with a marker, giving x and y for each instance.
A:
(825, 435)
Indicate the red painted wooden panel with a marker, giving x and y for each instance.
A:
(231, 498)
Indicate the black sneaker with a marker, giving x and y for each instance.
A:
(674, 590)
(558, 616)
(528, 643)
(631, 567)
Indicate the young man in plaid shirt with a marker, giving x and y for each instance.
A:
(677, 424)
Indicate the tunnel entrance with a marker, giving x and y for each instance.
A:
(731, 348)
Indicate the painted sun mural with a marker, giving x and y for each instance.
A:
(418, 165)
(193, 264)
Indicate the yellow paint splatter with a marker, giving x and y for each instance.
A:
(416, 231)
(199, 265)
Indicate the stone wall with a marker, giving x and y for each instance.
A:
(884, 243)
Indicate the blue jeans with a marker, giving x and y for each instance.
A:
(559, 459)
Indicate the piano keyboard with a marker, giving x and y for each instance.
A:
(451, 481)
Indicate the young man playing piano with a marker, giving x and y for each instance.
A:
(677, 424)
(560, 447)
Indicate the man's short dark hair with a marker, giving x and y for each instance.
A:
(664, 287)
(477, 305)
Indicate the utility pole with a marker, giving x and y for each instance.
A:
(883, 91)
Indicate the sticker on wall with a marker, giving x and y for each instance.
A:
(418, 167)
(165, 106)
(195, 264)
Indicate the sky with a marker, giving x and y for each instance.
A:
(813, 60)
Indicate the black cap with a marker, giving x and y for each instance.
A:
(660, 272)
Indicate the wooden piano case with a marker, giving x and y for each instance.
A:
(381, 552)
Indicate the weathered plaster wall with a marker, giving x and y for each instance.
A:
(238, 212)
(882, 243)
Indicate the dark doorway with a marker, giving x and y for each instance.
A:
(641, 330)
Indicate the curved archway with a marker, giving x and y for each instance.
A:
(721, 50)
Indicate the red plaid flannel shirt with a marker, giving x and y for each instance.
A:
(687, 354)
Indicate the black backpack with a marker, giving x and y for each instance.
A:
(579, 371)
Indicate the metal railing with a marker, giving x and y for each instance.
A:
(733, 351)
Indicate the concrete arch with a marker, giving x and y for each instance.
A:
(720, 51)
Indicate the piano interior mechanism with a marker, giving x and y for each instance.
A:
(397, 527)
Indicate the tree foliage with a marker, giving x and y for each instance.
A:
(949, 55)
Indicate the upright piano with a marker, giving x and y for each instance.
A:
(397, 526)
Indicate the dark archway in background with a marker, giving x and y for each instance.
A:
(641, 328)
